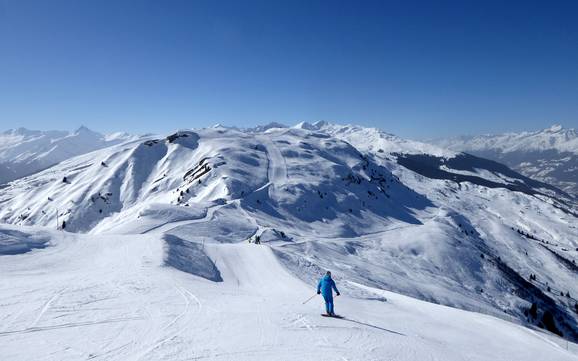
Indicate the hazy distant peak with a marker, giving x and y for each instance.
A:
(312, 126)
(26, 151)
(119, 135)
(303, 125)
(21, 131)
(374, 139)
(84, 130)
(555, 138)
(271, 125)
(554, 128)
(549, 155)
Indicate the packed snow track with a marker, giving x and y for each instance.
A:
(89, 297)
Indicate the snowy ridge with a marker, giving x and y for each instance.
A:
(549, 155)
(23, 151)
(432, 161)
(171, 224)
(555, 138)
(373, 139)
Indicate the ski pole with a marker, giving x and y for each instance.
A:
(309, 299)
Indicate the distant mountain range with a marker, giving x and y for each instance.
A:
(549, 155)
(24, 152)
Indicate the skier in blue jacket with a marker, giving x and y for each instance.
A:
(325, 287)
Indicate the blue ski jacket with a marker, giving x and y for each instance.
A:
(325, 285)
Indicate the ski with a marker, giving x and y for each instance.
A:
(331, 316)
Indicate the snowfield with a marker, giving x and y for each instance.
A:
(549, 155)
(24, 152)
(114, 298)
(205, 244)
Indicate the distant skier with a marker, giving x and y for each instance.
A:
(325, 287)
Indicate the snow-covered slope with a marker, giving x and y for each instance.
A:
(373, 139)
(23, 151)
(433, 161)
(554, 138)
(294, 168)
(316, 199)
(113, 298)
(549, 155)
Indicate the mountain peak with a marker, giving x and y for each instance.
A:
(83, 130)
(303, 125)
(21, 131)
(554, 128)
(263, 128)
(312, 126)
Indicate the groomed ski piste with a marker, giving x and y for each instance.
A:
(158, 259)
(113, 298)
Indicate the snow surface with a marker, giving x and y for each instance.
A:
(114, 298)
(554, 138)
(23, 151)
(373, 139)
(158, 259)
(549, 155)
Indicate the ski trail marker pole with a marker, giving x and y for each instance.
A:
(309, 299)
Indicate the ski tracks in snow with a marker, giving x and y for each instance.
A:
(316, 332)
(276, 167)
(159, 332)
(180, 322)
(303, 320)
(46, 306)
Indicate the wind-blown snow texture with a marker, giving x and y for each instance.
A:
(169, 268)
(549, 155)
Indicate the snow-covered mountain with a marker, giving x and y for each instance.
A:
(549, 155)
(24, 152)
(379, 211)
(433, 161)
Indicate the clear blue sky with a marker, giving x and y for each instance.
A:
(415, 68)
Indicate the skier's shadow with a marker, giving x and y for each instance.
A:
(373, 326)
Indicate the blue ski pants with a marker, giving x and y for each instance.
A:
(328, 305)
